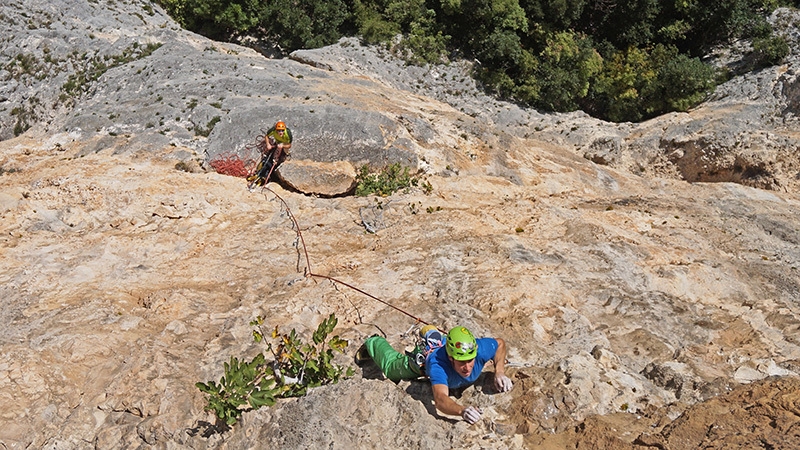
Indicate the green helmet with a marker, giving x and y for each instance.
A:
(461, 344)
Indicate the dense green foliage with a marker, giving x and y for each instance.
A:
(623, 60)
(292, 24)
(296, 366)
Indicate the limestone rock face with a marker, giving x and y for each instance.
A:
(644, 276)
(754, 405)
(318, 178)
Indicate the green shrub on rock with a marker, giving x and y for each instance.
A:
(296, 366)
(770, 51)
(392, 178)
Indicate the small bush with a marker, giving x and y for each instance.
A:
(3, 170)
(184, 166)
(392, 178)
(209, 127)
(770, 51)
(26, 117)
(296, 366)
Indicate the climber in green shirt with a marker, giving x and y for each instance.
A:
(277, 142)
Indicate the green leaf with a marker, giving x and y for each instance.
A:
(267, 384)
(260, 359)
(324, 329)
(296, 357)
(258, 321)
(261, 398)
(338, 343)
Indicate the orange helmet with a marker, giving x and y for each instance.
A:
(280, 126)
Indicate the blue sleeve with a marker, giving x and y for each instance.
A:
(487, 347)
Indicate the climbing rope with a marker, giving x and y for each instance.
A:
(310, 274)
(230, 163)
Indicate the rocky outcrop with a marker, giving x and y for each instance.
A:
(636, 305)
(745, 133)
(311, 177)
(769, 409)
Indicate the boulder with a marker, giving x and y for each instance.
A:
(327, 179)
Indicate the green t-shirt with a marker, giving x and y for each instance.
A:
(285, 139)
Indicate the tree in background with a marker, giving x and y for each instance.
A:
(567, 66)
(424, 42)
(216, 19)
(292, 24)
(380, 21)
(638, 84)
(560, 14)
(623, 23)
(296, 24)
(620, 60)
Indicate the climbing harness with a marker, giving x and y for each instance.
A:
(430, 338)
(264, 169)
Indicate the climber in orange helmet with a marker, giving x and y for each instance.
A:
(277, 142)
